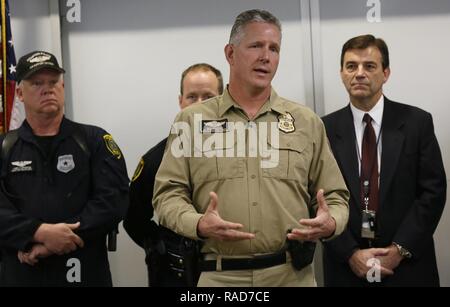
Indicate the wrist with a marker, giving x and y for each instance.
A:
(200, 233)
(39, 234)
(332, 230)
(403, 252)
(353, 253)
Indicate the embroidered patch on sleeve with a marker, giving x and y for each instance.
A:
(112, 146)
(138, 170)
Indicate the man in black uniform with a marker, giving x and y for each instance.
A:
(64, 187)
(198, 82)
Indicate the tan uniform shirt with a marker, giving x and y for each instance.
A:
(265, 194)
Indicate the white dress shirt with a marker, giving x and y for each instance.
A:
(377, 117)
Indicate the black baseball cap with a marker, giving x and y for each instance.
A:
(35, 61)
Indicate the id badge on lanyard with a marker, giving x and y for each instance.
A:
(368, 226)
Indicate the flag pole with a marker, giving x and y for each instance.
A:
(4, 127)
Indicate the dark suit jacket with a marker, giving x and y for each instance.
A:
(412, 195)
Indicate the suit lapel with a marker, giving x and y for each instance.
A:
(392, 140)
(346, 151)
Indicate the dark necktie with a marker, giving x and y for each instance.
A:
(369, 165)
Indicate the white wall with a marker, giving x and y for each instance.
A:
(32, 27)
(417, 33)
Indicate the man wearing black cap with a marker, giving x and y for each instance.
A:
(64, 187)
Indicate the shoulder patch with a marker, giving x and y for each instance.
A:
(112, 146)
(138, 170)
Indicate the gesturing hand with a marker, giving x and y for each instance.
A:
(322, 226)
(211, 225)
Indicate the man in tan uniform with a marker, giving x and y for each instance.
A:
(256, 159)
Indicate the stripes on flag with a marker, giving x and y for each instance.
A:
(8, 69)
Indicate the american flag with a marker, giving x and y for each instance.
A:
(8, 68)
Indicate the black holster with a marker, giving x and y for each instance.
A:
(302, 253)
(112, 239)
(172, 260)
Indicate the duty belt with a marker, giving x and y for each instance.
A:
(254, 263)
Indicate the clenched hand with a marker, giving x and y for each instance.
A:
(59, 238)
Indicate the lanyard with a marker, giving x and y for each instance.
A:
(366, 179)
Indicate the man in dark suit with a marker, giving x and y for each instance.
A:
(392, 164)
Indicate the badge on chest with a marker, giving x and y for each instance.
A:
(65, 164)
(286, 123)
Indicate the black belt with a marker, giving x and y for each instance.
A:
(257, 262)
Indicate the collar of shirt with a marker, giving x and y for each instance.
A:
(273, 103)
(65, 130)
(377, 117)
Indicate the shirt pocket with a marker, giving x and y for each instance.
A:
(293, 158)
(217, 163)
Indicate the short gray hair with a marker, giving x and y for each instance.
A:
(247, 17)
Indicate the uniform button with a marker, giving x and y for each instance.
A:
(253, 176)
(255, 203)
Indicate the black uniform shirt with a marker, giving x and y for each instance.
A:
(66, 185)
(138, 222)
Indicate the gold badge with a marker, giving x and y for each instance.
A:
(286, 123)
(112, 146)
(138, 170)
